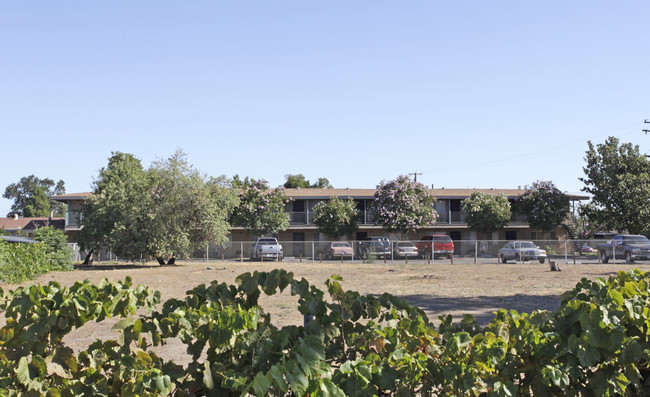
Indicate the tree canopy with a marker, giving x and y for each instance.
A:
(545, 206)
(336, 217)
(31, 197)
(261, 209)
(164, 212)
(115, 216)
(402, 206)
(486, 212)
(618, 178)
(299, 181)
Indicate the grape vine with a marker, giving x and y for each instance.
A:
(597, 343)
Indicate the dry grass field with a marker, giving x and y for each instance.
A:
(478, 289)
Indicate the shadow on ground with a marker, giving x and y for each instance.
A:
(481, 307)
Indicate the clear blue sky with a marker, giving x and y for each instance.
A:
(469, 93)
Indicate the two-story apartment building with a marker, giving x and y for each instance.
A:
(451, 220)
(302, 231)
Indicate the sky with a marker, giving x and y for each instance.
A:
(468, 94)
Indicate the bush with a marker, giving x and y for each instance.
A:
(57, 251)
(20, 262)
(595, 344)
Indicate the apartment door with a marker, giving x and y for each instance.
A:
(298, 244)
(456, 236)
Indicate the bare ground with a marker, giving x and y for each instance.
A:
(477, 289)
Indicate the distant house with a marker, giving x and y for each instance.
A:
(16, 225)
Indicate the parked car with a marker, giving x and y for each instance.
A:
(628, 247)
(441, 244)
(586, 249)
(378, 245)
(404, 249)
(338, 249)
(521, 251)
(267, 247)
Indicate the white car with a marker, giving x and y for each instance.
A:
(521, 251)
(405, 248)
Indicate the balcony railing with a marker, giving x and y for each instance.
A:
(444, 218)
(73, 218)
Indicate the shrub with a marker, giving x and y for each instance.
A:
(595, 344)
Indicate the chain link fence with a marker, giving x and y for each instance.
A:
(463, 251)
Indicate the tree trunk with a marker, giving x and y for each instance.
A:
(161, 261)
(88, 259)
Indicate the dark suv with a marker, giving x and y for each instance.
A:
(441, 244)
(379, 246)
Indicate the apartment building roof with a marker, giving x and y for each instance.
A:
(297, 193)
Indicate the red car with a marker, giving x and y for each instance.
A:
(441, 244)
(338, 249)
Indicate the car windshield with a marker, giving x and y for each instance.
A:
(340, 245)
(528, 244)
(267, 241)
(636, 240)
(442, 239)
(404, 244)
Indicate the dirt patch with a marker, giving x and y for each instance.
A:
(477, 289)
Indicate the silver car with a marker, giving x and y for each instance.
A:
(405, 248)
(521, 251)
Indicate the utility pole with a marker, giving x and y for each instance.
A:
(415, 175)
(646, 131)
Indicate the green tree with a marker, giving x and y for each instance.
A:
(117, 213)
(164, 212)
(618, 178)
(188, 209)
(322, 183)
(28, 197)
(486, 212)
(261, 209)
(38, 205)
(336, 217)
(296, 181)
(402, 206)
(544, 205)
(299, 181)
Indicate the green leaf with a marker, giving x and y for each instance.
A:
(261, 384)
(326, 388)
(22, 371)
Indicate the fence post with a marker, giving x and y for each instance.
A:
(313, 253)
(207, 252)
(475, 251)
(301, 257)
(566, 258)
(241, 251)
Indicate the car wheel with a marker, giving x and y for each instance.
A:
(541, 260)
(628, 257)
(603, 257)
(503, 259)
